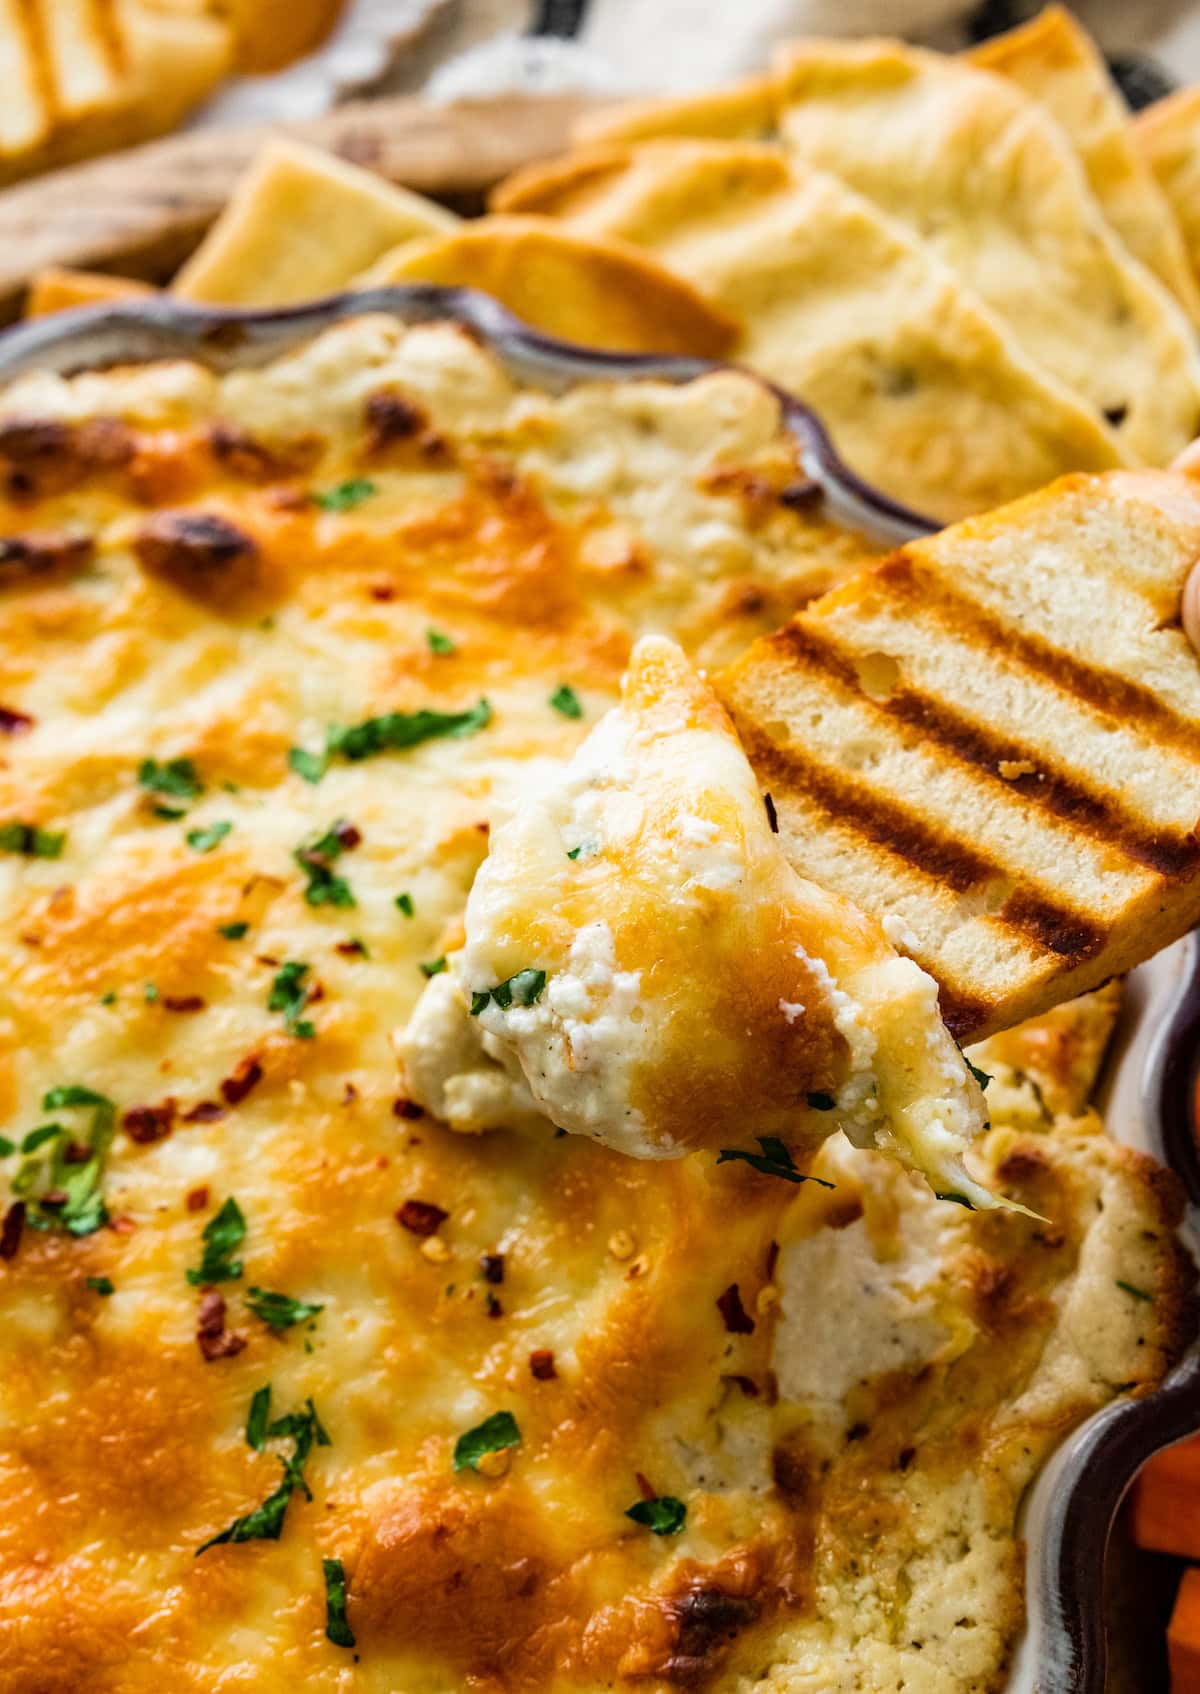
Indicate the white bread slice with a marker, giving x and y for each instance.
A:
(991, 741)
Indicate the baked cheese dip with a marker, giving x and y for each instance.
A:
(300, 1385)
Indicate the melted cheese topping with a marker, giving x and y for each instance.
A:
(667, 980)
(634, 1333)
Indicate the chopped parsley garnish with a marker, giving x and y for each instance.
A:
(393, 732)
(346, 495)
(523, 989)
(280, 1311)
(311, 766)
(405, 904)
(336, 1627)
(204, 840)
(662, 1515)
(7, 1147)
(822, 1102)
(397, 730)
(101, 1285)
(566, 701)
(290, 996)
(315, 859)
(1137, 1293)
(258, 1417)
(981, 1077)
(64, 1193)
(265, 1522)
(774, 1160)
(31, 841)
(38, 1137)
(223, 1235)
(490, 1436)
(433, 967)
(232, 931)
(109, 997)
(574, 852)
(956, 1199)
(177, 777)
(439, 643)
(150, 993)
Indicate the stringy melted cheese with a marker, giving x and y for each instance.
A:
(541, 536)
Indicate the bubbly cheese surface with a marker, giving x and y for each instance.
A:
(643, 965)
(171, 591)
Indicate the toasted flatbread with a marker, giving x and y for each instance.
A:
(977, 170)
(991, 740)
(57, 290)
(603, 293)
(1168, 133)
(271, 33)
(745, 111)
(301, 223)
(923, 391)
(1055, 61)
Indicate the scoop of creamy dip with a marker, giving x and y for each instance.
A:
(644, 966)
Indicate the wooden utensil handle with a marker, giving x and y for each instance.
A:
(142, 211)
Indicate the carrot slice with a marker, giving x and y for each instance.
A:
(1166, 1503)
(1183, 1636)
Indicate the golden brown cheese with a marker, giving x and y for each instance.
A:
(648, 1327)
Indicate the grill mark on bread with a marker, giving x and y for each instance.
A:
(1111, 693)
(1064, 797)
(934, 854)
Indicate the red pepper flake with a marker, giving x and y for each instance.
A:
(347, 834)
(76, 1153)
(772, 1260)
(196, 1198)
(12, 1229)
(492, 1266)
(349, 1094)
(13, 722)
(646, 1488)
(184, 1002)
(382, 591)
(204, 1111)
(494, 1308)
(541, 1364)
(265, 959)
(351, 949)
(421, 1217)
(146, 1124)
(407, 1109)
(213, 1339)
(54, 1199)
(124, 1225)
(246, 1075)
(737, 1320)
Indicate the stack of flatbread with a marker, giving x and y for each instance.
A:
(978, 269)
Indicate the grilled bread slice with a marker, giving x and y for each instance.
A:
(83, 76)
(981, 174)
(991, 741)
(1055, 61)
